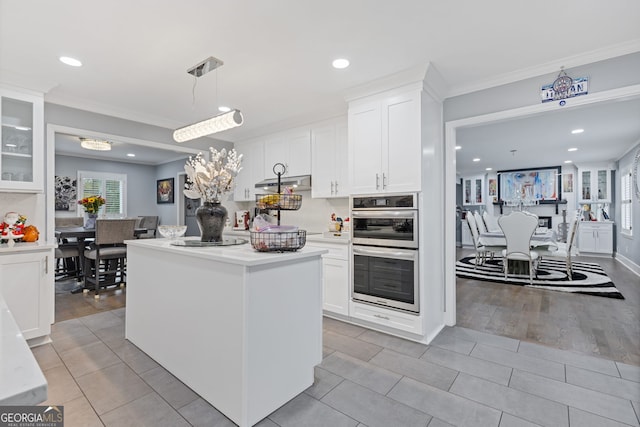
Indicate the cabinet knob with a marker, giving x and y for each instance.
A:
(384, 180)
(336, 188)
(377, 181)
(332, 188)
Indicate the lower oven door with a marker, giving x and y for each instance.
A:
(387, 277)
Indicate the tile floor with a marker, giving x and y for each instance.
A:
(464, 378)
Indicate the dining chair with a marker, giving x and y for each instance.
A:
(518, 228)
(481, 251)
(106, 258)
(482, 227)
(491, 222)
(565, 250)
(150, 222)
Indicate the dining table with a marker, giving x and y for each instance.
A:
(81, 235)
(542, 238)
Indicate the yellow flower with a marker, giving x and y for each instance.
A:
(92, 199)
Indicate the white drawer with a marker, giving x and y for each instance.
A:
(390, 318)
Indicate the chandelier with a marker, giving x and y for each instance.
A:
(95, 144)
(219, 123)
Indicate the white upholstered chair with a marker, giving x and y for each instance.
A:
(481, 251)
(565, 249)
(491, 222)
(482, 227)
(518, 227)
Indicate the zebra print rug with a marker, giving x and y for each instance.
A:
(588, 278)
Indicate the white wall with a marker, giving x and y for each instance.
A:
(628, 247)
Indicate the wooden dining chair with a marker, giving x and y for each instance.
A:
(518, 228)
(106, 258)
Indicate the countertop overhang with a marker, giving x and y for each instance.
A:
(240, 254)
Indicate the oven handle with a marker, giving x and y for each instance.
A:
(410, 214)
(408, 255)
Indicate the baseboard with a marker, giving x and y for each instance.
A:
(628, 263)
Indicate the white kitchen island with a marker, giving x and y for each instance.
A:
(241, 328)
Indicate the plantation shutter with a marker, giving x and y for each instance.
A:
(625, 202)
(111, 186)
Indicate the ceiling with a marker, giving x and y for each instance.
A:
(69, 145)
(610, 130)
(277, 54)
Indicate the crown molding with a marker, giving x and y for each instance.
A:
(597, 55)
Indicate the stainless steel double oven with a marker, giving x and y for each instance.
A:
(385, 251)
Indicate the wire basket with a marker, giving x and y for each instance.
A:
(269, 241)
(285, 202)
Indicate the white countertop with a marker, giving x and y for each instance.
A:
(26, 247)
(238, 254)
(21, 379)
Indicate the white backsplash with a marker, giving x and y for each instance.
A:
(314, 215)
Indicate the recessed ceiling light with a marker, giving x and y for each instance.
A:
(224, 109)
(568, 161)
(575, 131)
(572, 149)
(340, 63)
(476, 159)
(130, 155)
(489, 169)
(458, 147)
(70, 61)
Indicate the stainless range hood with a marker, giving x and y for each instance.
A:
(298, 183)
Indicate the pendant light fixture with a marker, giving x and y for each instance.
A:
(219, 123)
(95, 144)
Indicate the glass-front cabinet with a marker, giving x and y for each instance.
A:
(594, 184)
(473, 190)
(22, 150)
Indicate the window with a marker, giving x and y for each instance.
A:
(111, 186)
(625, 203)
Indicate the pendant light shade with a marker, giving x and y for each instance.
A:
(95, 144)
(215, 124)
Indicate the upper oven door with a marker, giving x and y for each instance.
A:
(398, 229)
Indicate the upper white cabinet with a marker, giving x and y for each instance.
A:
(252, 170)
(22, 151)
(594, 183)
(384, 143)
(473, 190)
(329, 161)
(292, 149)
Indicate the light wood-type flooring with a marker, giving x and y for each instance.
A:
(593, 325)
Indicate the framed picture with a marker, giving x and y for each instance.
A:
(493, 187)
(567, 183)
(164, 191)
(542, 184)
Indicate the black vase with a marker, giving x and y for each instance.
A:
(211, 218)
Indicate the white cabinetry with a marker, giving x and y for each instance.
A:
(22, 150)
(329, 161)
(26, 283)
(384, 143)
(473, 190)
(252, 170)
(594, 184)
(336, 277)
(388, 318)
(292, 149)
(596, 237)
